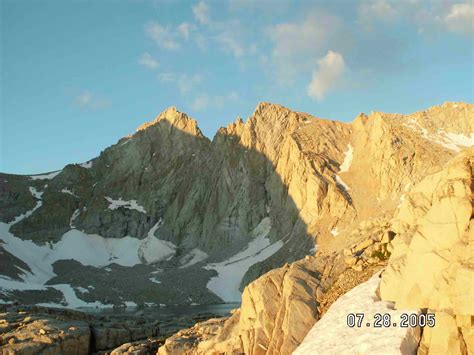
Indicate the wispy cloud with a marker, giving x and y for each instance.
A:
(374, 12)
(460, 18)
(86, 100)
(296, 45)
(327, 76)
(201, 12)
(184, 82)
(185, 29)
(148, 61)
(204, 101)
(230, 44)
(163, 36)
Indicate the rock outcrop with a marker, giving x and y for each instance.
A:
(432, 262)
(34, 330)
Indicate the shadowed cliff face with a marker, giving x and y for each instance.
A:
(167, 181)
(163, 212)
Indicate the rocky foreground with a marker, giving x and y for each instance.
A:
(44, 330)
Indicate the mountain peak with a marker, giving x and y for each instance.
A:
(175, 119)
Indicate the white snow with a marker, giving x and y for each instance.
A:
(73, 218)
(130, 304)
(455, 141)
(132, 204)
(230, 272)
(452, 141)
(36, 194)
(48, 176)
(155, 280)
(193, 257)
(88, 249)
(346, 164)
(82, 290)
(87, 165)
(69, 192)
(341, 182)
(71, 299)
(153, 249)
(334, 232)
(332, 335)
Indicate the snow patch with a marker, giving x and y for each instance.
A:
(193, 257)
(71, 299)
(346, 164)
(82, 290)
(334, 232)
(69, 192)
(36, 194)
(152, 249)
(452, 141)
(88, 249)
(132, 204)
(230, 272)
(331, 335)
(48, 176)
(155, 280)
(87, 165)
(341, 182)
(73, 218)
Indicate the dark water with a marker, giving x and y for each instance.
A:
(171, 319)
(222, 310)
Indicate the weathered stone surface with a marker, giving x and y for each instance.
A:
(432, 259)
(22, 332)
(32, 330)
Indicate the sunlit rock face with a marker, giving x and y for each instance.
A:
(432, 260)
(167, 216)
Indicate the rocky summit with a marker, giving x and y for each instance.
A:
(301, 219)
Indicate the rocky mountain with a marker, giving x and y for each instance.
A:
(167, 216)
(416, 264)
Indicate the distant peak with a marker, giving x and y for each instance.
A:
(176, 119)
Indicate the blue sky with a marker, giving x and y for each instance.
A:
(78, 75)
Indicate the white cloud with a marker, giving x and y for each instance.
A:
(202, 13)
(460, 18)
(200, 103)
(204, 101)
(148, 61)
(185, 29)
(166, 77)
(164, 37)
(230, 44)
(184, 82)
(296, 45)
(373, 11)
(188, 82)
(86, 100)
(327, 76)
(201, 41)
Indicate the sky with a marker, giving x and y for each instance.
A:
(75, 76)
